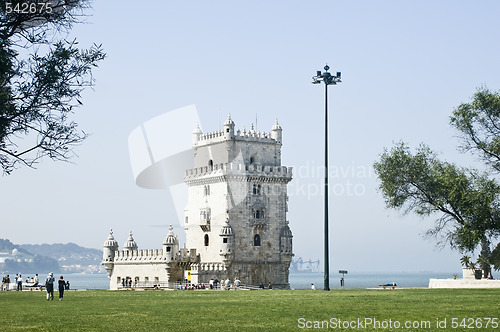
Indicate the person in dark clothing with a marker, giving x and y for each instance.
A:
(19, 283)
(62, 285)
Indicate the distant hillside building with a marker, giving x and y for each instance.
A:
(235, 219)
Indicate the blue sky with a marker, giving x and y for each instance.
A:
(405, 65)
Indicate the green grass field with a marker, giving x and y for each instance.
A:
(262, 310)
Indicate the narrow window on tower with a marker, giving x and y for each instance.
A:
(224, 240)
(206, 240)
(256, 240)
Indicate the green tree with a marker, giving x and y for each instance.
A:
(42, 76)
(478, 123)
(465, 201)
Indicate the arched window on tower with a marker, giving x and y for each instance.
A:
(206, 240)
(210, 163)
(206, 190)
(256, 240)
(256, 189)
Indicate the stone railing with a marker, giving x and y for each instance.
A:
(237, 168)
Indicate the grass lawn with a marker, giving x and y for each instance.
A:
(264, 310)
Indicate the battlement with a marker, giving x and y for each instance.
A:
(247, 136)
(139, 255)
(239, 169)
(207, 267)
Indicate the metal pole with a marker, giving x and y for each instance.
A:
(327, 268)
(328, 79)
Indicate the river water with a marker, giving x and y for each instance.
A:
(301, 280)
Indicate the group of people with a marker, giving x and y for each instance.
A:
(35, 282)
(49, 286)
(5, 283)
(212, 284)
(18, 281)
(127, 282)
(226, 284)
(189, 286)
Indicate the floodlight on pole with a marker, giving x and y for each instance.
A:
(328, 79)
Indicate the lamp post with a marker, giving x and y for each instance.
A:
(328, 79)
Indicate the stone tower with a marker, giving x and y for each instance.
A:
(237, 206)
(108, 252)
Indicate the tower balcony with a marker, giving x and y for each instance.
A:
(259, 223)
(205, 225)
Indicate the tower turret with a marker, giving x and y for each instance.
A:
(286, 241)
(130, 245)
(276, 132)
(229, 128)
(227, 246)
(170, 245)
(197, 132)
(108, 253)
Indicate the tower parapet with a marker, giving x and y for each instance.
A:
(238, 168)
(200, 138)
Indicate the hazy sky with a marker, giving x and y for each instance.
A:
(405, 65)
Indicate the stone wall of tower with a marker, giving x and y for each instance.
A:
(239, 179)
(206, 215)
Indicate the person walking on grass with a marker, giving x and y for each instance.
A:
(49, 286)
(62, 285)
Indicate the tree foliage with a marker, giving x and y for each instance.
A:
(466, 201)
(479, 125)
(42, 76)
